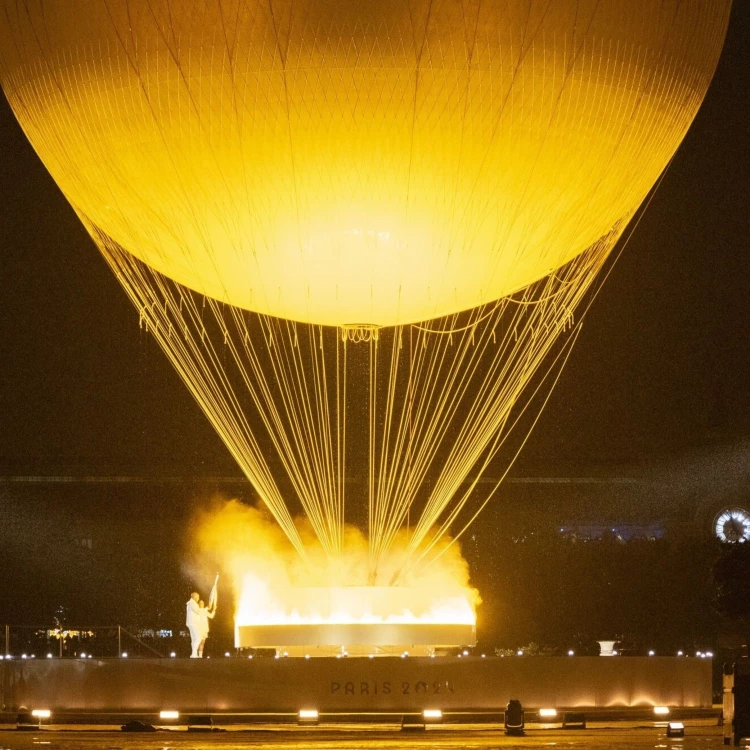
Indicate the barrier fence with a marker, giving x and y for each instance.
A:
(83, 641)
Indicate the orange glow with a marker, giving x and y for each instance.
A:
(350, 605)
(273, 586)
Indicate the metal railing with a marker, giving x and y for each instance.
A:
(100, 641)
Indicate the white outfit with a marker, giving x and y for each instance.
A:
(204, 617)
(193, 622)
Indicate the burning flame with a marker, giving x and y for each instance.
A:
(272, 585)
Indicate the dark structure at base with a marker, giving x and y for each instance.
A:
(352, 685)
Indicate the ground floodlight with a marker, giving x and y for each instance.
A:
(83, 654)
(226, 653)
(651, 653)
(519, 652)
(432, 715)
(547, 713)
(124, 654)
(308, 716)
(200, 723)
(169, 715)
(574, 720)
(679, 653)
(571, 652)
(710, 654)
(49, 656)
(172, 655)
(514, 719)
(675, 729)
(661, 710)
(31, 720)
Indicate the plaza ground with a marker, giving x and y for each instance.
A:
(699, 735)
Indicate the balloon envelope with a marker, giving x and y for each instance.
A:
(371, 162)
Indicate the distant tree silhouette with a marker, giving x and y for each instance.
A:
(732, 582)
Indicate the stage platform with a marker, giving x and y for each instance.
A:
(360, 686)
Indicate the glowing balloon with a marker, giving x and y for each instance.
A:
(357, 161)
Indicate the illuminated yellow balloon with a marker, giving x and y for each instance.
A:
(357, 161)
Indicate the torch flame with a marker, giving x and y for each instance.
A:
(272, 585)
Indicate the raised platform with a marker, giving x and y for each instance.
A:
(352, 685)
(355, 638)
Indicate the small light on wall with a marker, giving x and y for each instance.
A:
(169, 715)
(41, 713)
(432, 715)
(661, 710)
(308, 716)
(547, 713)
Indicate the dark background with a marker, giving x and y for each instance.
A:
(660, 371)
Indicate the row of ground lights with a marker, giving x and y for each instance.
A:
(124, 655)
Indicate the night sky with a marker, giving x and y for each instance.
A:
(662, 366)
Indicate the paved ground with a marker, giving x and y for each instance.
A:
(698, 736)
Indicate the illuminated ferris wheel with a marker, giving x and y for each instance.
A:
(732, 525)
